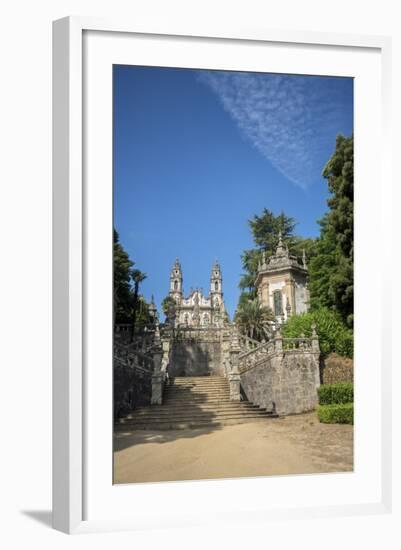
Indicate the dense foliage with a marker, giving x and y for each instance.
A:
(129, 306)
(122, 266)
(265, 231)
(252, 319)
(167, 303)
(334, 335)
(330, 394)
(336, 414)
(331, 269)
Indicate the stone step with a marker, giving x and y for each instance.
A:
(196, 388)
(181, 387)
(168, 425)
(201, 380)
(196, 378)
(192, 412)
(180, 393)
(190, 402)
(191, 417)
(198, 401)
(201, 406)
(189, 387)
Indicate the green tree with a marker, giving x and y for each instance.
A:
(137, 277)
(331, 269)
(265, 231)
(122, 266)
(334, 335)
(252, 319)
(166, 304)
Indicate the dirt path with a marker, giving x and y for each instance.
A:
(289, 445)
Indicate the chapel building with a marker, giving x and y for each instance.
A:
(197, 310)
(281, 283)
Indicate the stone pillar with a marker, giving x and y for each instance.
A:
(157, 388)
(278, 341)
(234, 380)
(165, 354)
(157, 379)
(225, 351)
(315, 340)
(265, 294)
(290, 293)
(234, 377)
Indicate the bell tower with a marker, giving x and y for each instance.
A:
(176, 281)
(216, 284)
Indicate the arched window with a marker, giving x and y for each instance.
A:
(175, 285)
(216, 286)
(278, 303)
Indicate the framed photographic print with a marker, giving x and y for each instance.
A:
(218, 315)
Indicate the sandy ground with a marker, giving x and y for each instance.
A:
(289, 445)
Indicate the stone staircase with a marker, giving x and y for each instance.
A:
(190, 402)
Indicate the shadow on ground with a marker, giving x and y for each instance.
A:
(41, 516)
(124, 440)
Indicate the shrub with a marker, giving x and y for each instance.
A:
(336, 414)
(336, 394)
(334, 335)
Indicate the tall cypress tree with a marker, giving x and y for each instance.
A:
(331, 274)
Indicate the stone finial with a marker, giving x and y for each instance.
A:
(281, 250)
(264, 257)
(152, 307)
(314, 333)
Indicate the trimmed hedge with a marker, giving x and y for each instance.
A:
(336, 414)
(330, 394)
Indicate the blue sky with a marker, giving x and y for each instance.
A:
(198, 153)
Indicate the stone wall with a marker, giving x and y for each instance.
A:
(196, 359)
(131, 388)
(285, 382)
(334, 369)
(199, 352)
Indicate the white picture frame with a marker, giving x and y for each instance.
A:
(70, 261)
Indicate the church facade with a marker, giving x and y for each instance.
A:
(281, 283)
(197, 310)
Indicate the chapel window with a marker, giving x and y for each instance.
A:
(278, 303)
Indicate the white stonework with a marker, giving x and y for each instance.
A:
(281, 284)
(198, 310)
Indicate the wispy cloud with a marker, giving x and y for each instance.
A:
(291, 120)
